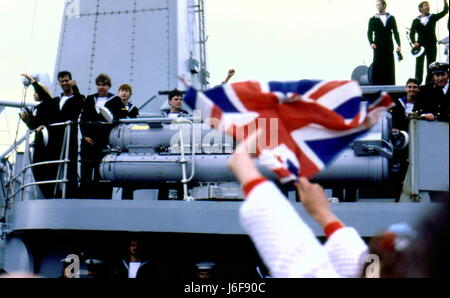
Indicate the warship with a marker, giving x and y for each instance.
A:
(186, 200)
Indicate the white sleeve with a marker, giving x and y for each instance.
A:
(285, 243)
(347, 252)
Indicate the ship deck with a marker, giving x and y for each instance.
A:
(203, 217)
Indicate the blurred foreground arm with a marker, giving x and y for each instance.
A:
(346, 249)
(315, 201)
(285, 243)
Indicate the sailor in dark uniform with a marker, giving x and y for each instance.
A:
(204, 270)
(135, 264)
(175, 101)
(175, 110)
(120, 106)
(70, 103)
(39, 120)
(401, 114)
(94, 142)
(433, 100)
(425, 27)
(380, 30)
(67, 107)
(404, 105)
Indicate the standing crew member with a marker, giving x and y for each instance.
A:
(381, 27)
(425, 27)
(38, 120)
(121, 107)
(70, 104)
(94, 142)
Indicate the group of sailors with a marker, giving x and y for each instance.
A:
(50, 118)
(430, 102)
(55, 154)
(382, 26)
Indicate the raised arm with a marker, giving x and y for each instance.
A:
(345, 247)
(230, 74)
(285, 243)
(241, 163)
(316, 203)
(441, 14)
(28, 77)
(76, 103)
(43, 95)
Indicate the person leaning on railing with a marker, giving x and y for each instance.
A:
(433, 101)
(70, 103)
(38, 120)
(175, 101)
(94, 140)
(121, 106)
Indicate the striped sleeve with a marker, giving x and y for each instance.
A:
(347, 251)
(285, 243)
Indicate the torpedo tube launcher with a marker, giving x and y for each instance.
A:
(146, 151)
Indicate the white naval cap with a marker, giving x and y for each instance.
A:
(205, 265)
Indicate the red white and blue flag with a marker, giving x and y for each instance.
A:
(309, 122)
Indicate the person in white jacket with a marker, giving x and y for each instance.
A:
(285, 243)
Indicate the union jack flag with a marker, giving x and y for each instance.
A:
(309, 121)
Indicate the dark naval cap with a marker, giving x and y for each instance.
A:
(438, 67)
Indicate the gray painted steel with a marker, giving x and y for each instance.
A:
(146, 44)
(153, 156)
(428, 169)
(15, 104)
(17, 256)
(111, 215)
(385, 88)
(125, 167)
(190, 217)
(141, 138)
(432, 161)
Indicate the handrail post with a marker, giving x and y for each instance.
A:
(66, 157)
(27, 149)
(413, 160)
(183, 165)
(183, 160)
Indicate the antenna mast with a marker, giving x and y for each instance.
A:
(204, 74)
